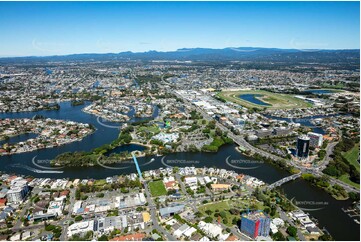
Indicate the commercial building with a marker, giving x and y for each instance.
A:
(316, 139)
(170, 211)
(255, 224)
(80, 228)
(108, 224)
(220, 187)
(303, 143)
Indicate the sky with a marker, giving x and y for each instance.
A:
(58, 28)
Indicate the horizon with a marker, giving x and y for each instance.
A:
(147, 51)
(41, 29)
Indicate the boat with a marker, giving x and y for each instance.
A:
(36, 170)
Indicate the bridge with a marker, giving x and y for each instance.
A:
(138, 168)
(284, 180)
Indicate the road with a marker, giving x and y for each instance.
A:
(68, 216)
(153, 214)
(29, 204)
(284, 217)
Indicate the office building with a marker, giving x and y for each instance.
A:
(303, 143)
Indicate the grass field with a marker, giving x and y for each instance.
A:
(157, 188)
(153, 129)
(275, 100)
(352, 156)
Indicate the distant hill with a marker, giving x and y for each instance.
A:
(206, 54)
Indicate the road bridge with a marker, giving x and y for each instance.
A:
(284, 180)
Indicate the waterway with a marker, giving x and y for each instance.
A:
(305, 121)
(320, 91)
(19, 138)
(324, 208)
(331, 216)
(252, 98)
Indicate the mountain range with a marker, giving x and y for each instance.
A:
(208, 54)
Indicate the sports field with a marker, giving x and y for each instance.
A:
(271, 100)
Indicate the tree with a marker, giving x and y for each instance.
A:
(278, 236)
(208, 220)
(103, 238)
(291, 230)
(234, 220)
(78, 218)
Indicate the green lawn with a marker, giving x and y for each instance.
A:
(225, 206)
(153, 129)
(353, 155)
(345, 179)
(100, 182)
(276, 100)
(157, 188)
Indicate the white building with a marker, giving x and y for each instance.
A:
(316, 139)
(212, 230)
(191, 181)
(18, 191)
(81, 227)
(166, 138)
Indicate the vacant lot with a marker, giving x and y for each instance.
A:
(157, 188)
(274, 100)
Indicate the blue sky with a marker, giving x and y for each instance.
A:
(55, 28)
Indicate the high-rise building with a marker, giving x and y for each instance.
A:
(303, 145)
(316, 139)
(255, 224)
(18, 191)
